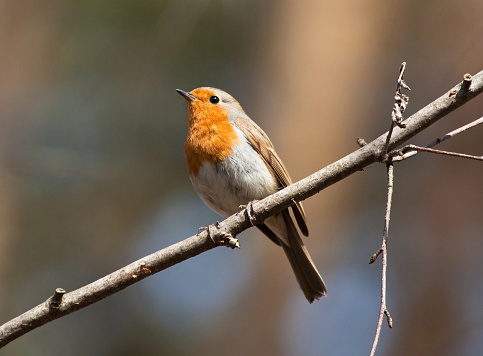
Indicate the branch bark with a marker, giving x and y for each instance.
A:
(62, 304)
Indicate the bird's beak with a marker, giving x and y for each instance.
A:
(188, 96)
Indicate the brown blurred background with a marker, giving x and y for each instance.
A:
(93, 176)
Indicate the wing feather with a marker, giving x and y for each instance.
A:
(262, 144)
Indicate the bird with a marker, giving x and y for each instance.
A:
(231, 163)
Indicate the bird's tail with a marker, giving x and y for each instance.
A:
(304, 268)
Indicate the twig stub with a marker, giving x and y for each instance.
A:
(466, 83)
(229, 241)
(361, 142)
(220, 237)
(56, 299)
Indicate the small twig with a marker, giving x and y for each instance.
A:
(396, 119)
(447, 153)
(411, 150)
(399, 107)
(383, 250)
(455, 132)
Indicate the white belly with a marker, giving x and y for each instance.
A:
(234, 182)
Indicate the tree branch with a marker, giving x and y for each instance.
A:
(63, 304)
(411, 150)
(447, 153)
(400, 104)
(407, 151)
(383, 250)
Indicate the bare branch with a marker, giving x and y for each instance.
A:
(61, 304)
(400, 105)
(396, 119)
(447, 153)
(411, 150)
(224, 232)
(398, 155)
(455, 132)
(383, 251)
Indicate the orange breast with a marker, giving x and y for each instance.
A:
(211, 136)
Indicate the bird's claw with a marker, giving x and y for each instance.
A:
(220, 237)
(209, 230)
(250, 212)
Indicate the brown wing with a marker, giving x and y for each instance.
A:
(262, 144)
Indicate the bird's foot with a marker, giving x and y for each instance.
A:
(250, 212)
(220, 237)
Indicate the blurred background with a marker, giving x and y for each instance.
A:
(93, 175)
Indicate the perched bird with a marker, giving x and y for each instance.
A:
(232, 162)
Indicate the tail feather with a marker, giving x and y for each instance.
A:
(306, 273)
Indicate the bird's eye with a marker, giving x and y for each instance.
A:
(214, 99)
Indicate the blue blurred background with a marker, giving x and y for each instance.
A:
(93, 174)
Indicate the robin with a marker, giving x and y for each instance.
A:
(232, 162)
